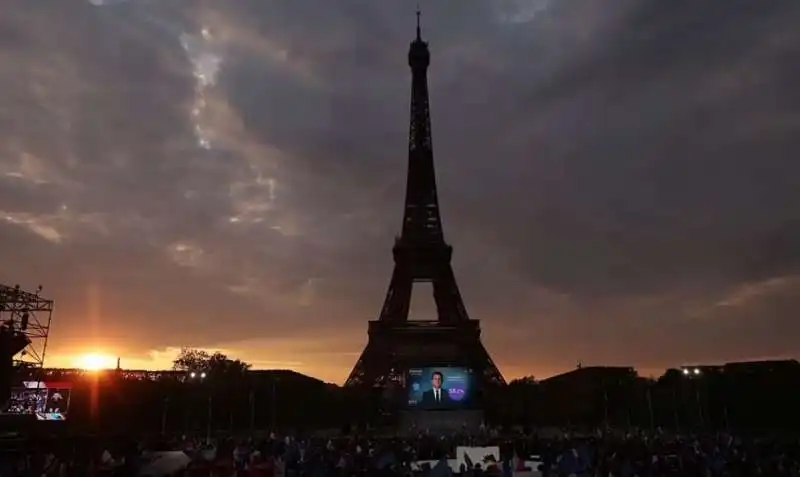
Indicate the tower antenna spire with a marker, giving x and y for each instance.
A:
(419, 28)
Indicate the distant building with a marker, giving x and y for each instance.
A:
(698, 370)
(786, 367)
(591, 373)
(586, 393)
(256, 377)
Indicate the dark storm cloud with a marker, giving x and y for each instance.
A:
(191, 173)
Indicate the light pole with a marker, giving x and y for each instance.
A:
(650, 413)
(675, 410)
(208, 420)
(695, 373)
(164, 412)
(252, 411)
(274, 416)
(199, 377)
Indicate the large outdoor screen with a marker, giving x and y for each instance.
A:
(46, 401)
(440, 388)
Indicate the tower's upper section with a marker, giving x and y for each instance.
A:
(418, 55)
(422, 223)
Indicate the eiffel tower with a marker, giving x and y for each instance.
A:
(421, 254)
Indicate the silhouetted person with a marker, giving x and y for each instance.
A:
(437, 396)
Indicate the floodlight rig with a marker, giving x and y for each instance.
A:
(27, 317)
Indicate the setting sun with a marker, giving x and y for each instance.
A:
(95, 362)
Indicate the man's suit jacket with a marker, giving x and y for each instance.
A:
(429, 399)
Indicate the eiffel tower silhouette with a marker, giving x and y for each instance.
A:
(421, 254)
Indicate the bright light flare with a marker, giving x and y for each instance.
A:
(96, 362)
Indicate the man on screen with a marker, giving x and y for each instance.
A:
(437, 397)
(56, 399)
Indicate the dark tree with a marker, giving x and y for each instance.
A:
(524, 381)
(216, 364)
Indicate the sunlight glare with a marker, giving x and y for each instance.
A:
(96, 362)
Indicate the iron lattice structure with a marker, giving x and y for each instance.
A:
(421, 255)
(26, 316)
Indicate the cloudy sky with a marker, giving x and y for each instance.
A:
(620, 179)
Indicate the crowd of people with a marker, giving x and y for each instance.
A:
(603, 454)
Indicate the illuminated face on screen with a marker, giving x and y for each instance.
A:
(436, 380)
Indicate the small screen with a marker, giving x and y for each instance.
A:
(46, 401)
(440, 388)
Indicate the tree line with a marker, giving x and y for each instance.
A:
(745, 399)
(206, 392)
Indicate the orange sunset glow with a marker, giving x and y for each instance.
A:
(250, 351)
(96, 362)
